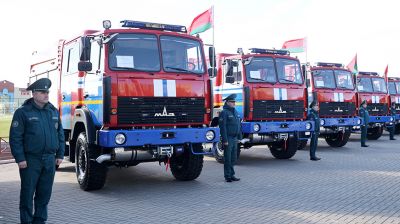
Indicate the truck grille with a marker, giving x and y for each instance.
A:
(377, 109)
(287, 109)
(160, 110)
(337, 109)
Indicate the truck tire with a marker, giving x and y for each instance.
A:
(91, 175)
(338, 139)
(219, 153)
(374, 133)
(397, 131)
(301, 144)
(282, 150)
(187, 166)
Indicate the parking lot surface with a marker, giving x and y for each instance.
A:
(349, 185)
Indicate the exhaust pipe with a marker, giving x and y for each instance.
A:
(102, 158)
(119, 155)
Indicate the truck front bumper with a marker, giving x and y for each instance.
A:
(341, 122)
(277, 127)
(158, 137)
(380, 119)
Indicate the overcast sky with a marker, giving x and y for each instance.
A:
(336, 30)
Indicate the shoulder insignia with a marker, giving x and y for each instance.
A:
(15, 124)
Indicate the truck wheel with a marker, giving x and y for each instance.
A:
(338, 139)
(219, 153)
(282, 150)
(91, 175)
(187, 166)
(374, 133)
(301, 144)
(397, 131)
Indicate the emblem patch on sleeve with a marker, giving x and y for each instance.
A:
(15, 124)
(56, 125)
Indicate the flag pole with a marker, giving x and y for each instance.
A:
(213, 26)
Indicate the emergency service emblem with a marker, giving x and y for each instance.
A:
(15, 124)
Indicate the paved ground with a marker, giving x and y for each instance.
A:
(349, 185)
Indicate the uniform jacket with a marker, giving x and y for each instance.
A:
(229, 123)
(36, 131)
(313, 116)
(393, 111)
(363, 113)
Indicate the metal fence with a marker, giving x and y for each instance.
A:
(8, 107)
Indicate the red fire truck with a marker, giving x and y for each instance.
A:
(140, 93)
(394, 92)
(332, 86)
(271, 98)
(372, 88)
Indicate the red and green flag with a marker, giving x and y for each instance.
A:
(352, 66)
(202, 22)
(296, 45)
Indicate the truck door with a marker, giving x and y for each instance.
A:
(93, 84)
(70, 82)
(233, 82)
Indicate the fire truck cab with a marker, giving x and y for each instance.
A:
(271, 98)
(394, 92)
(372, 88)
(140, 93)
(332, 86)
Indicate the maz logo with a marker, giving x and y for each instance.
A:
(338, 110)
(164, 114)
(375, 110)
(280, 111)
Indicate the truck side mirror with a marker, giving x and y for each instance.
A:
(84, 66)
(212, 72)
(211, 56)
(85, 49)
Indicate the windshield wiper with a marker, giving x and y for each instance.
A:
(287, 80)
(133, 69)
(182, 70)
(273, 82)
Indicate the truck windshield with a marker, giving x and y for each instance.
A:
(343, 79)
(398, 87)
(392, 88)
(324, 79)
(288, 71)
(379, 85)
(181, 55)
(136, 52)
(364, 85)
(261, 69)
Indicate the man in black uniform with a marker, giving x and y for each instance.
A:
(363, 113)
(393, 128)
(229, 124)
(37, 144)
(313, 116)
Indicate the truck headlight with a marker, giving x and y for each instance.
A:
(322, 121)
(391, 119)
(210, 135)
(256, 127)
(359, 121)
(120, 138)
(308, 125)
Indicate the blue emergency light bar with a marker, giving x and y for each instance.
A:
(153, 26)
(268, 51)
(325, 64)
(368, 73)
